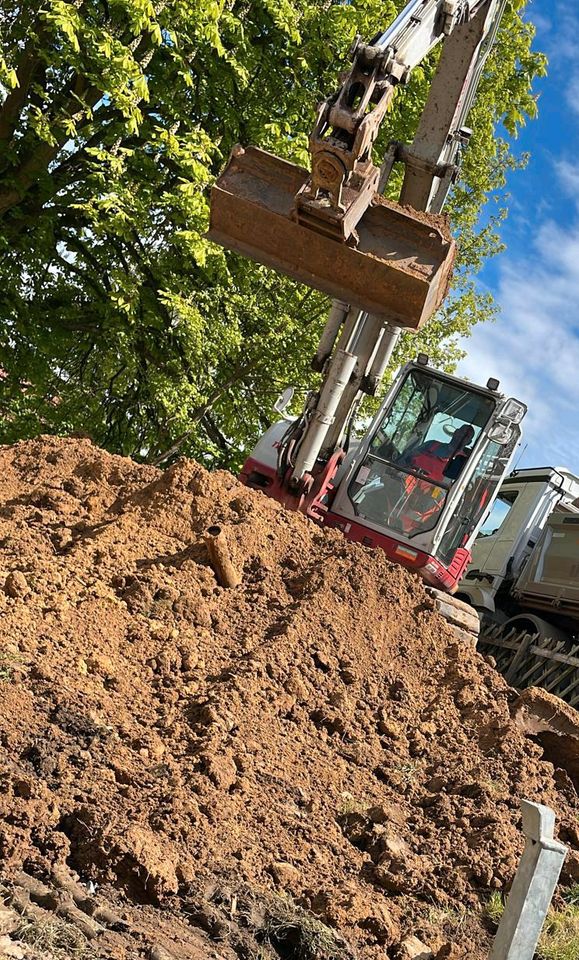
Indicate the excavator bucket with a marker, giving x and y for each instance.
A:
(399, 268)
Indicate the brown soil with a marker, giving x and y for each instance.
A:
(438, 221)
(553, 724)
(203, 754)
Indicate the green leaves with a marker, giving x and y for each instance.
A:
(8, 76)
(65, 20)
(118, 317)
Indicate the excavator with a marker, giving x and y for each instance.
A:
(421, 481)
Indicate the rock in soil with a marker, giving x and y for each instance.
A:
(307, 755)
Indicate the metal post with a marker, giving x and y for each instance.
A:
(533, 886)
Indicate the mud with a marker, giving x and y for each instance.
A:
(312, 740)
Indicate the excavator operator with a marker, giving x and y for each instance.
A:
(441, 461)
(438, 462)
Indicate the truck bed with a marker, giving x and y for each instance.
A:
(550, 580)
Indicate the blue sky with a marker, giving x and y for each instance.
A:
(534, 347)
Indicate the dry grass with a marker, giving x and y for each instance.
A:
(54, 939)
(7, 663)
(451, 920)
(349, 805)
(297, 935)
(408, 771)
(495, 907)
(559, 938)
(571, 895)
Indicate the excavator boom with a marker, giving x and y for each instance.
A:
(418, 484)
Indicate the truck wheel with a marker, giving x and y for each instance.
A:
(536, 626)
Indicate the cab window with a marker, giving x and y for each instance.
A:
(499, 513)
(427, 411)
(477, 494)
(417, 452)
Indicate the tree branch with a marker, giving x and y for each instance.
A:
(197, 415)
(214, 433)
(14, 102)
(39, 159)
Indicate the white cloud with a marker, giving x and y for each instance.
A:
(558, 37)
(572, 93)
(543, 24)
(561, 40)
(534, 347)
(568, 174)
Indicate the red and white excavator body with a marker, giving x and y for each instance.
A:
(420, 482)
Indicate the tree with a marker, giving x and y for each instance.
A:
(118, 318)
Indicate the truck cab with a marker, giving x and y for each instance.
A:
(510, 533)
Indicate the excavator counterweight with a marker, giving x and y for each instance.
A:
(399, 268)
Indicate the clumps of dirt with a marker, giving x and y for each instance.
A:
(554, 725)
(315, 734)
(62, 920)
(439, 222)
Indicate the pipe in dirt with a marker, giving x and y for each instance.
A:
(220, 557)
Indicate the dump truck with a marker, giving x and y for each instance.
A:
(524, 574)
(421, 480)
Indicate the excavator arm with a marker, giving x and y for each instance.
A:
(344, 179)
(387, 267)
(355, 361)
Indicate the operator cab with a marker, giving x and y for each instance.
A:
(426, 474)
(418, 450)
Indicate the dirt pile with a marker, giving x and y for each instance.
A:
(315, 736)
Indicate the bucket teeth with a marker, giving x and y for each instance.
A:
(399, 268)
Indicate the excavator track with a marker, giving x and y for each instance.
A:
(528, 660)
(460, 616)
